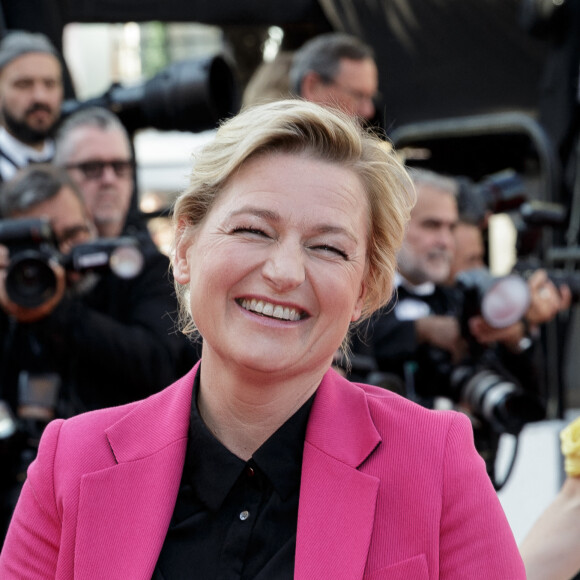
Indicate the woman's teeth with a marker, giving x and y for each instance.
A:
(271, 310)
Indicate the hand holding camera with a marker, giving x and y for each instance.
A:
(546, 299)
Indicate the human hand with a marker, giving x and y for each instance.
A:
(546, 300)
(21, 313)
(442, 332)
(510, 336)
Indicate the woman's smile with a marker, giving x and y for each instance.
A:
(271, 310)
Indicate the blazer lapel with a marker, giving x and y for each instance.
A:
(126, 509)
(337, 502)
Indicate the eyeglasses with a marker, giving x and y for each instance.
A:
(358, 96)
(95, 169)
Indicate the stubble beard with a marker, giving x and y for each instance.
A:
(22, 131)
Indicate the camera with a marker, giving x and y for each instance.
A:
(501, 301)
(493, 396)
(495, 193)
(480, 382)
(483, 386)
(30, 280)
(191, 95)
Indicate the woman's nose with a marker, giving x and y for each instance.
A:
(284, 268)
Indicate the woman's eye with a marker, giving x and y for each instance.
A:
(331, 250)
(247, 230)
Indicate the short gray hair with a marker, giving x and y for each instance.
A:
(33, 185)
(98, 117)
(323, 54)
(429, 178)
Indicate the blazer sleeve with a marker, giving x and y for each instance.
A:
(31, 548)
(476, 541)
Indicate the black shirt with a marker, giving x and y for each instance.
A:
(236, 519)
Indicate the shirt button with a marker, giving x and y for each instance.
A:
(244, 515)
(250, 472)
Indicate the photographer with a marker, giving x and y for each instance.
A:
(423, 314)
(95, 149)
(99, 340)
(422, 345)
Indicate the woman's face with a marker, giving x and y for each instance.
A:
(276, 268)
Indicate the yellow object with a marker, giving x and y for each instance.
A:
(570, 445)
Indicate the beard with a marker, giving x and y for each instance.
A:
(23, 131)
(418, 269)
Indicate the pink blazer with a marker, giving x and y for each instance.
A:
(389, 490)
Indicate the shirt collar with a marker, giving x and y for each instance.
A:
(425, 289)
(21, 153)
(212, 470)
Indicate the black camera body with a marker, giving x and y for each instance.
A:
(30, 279)
(191, 95)
(480, 382)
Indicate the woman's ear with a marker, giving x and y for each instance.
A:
(183, 241)
(359, 304)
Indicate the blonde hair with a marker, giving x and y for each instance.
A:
(296, 127)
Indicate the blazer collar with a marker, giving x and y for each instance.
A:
(337, 501)
(138, 495)
(167, 411)
(340, 422)
(124, 511)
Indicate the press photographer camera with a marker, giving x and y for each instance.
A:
(191, 95)
(30, 281)
(30, 278)
(480, 380)
(497, 192)
(495, 384)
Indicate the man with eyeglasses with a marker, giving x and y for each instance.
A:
(94, 147)
(31, 94)
(337, 70)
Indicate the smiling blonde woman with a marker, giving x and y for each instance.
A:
(262, 462)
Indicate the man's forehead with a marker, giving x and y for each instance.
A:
(358, 70)
(434, 200)
(33, 64)
(90, 142)
(64, 206)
